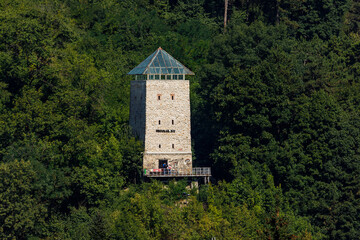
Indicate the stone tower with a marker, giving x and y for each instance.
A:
(160, 112)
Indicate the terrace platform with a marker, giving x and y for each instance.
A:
(168, 173)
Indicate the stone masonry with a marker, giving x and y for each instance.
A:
(137, 108)
(160, 116)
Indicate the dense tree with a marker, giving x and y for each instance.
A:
(275, 112)
(21, 211)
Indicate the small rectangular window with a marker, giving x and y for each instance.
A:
(151, 77)
(159, 122)
(159, 96)
(157, 77)
(162, 77)
(172, 96)
(175, 77)
(168, 77)
(172, 121)
(173, 146)
(181, 77)
(159, 145)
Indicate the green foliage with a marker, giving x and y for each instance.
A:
(275, 113)
(99, 229)
(140, 213)
(352, 18)
(309, 18)
(175, 191)
(76, 225)
(21, 211)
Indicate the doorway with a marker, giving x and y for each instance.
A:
(163, 163)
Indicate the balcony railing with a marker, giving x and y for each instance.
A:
(204, 171)
(196, 172)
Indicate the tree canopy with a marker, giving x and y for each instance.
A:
(275, 113)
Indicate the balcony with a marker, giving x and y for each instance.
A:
(196, 172)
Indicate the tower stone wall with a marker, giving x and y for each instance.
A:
(137, 108)
(162, 112)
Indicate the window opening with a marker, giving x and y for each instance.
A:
(159, 122)
(159, 96)
(181, 77)
(173, 146)
(140, 77)
(175, 77)
(172, 121)
(157, 77)
(168, 77)
(159, 145)
(162, 77)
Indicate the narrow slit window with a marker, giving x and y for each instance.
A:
(172, 121)
(159, 122)
(159, 96)
(159, 145)
(173, 146)
(172, 96)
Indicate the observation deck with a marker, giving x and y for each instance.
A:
(169, 173)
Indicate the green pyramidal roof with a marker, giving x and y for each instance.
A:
(160, 62)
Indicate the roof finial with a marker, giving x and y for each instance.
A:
(160, 48)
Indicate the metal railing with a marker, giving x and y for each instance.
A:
(197, 171)
(201, 171)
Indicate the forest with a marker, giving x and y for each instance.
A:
(275, 112)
